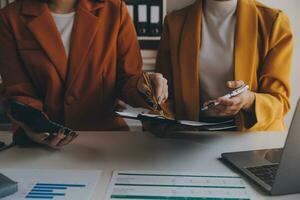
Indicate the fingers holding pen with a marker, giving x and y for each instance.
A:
(160, 86)
(228, 107)
(154, 84)
(235, 84)
(166, 92)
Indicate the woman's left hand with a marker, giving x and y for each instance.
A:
(232, 106)
(159, 84)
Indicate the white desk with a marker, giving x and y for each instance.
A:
(142, 151)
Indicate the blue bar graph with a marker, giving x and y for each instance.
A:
(50, 187)
(39, 197)
(45, 193)
(41, 190)
(47, 190)
(59, 185)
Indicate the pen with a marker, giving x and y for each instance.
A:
(228, 96)
(151, 94)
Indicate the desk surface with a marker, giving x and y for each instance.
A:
(110, 151)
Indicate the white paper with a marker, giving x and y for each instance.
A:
(152, 115)
(128, 114)
(154, 14)
(53, 184)
(134, 115)
(163, 185)
(199, 124)
(142, 10)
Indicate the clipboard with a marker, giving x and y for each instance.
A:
(225, 125)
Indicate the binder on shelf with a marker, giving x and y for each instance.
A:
(142, 19)
(138, 10)
(148, 20)
(155, 9)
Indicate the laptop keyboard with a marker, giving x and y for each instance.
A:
(266, 173)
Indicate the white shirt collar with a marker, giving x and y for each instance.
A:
(220, 8)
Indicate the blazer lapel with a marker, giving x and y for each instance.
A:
(189, 50)
(246, 41)
(85, 27)
(43, 27)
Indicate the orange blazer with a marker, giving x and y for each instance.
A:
(80, 91)
(262, 58)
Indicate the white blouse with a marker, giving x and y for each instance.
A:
(217, 48)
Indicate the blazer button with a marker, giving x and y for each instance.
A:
(70, 100)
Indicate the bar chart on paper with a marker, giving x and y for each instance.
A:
(53, 184)
(52, 190)
(147, 185)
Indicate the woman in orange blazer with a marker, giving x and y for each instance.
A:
(262, 44)
(75, 81)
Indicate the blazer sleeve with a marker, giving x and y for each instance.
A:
(164, 66)
(16, 82)
(129, 61)
(272, 99)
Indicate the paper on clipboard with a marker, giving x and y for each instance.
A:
(162, 119)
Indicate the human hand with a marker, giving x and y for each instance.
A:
(159, 84)
(232, 106)
(56, 140)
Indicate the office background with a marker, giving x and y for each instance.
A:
(290, 7)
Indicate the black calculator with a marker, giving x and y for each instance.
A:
(36, 120)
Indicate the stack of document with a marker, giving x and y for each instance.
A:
(149, 185)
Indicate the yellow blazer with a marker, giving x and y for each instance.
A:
(262, 57)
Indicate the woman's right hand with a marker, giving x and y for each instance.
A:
(56, 140)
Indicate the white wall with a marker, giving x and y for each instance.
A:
(291, 8)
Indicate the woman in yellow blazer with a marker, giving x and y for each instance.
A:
(261, 58)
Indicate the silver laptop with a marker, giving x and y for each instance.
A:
(277, 171)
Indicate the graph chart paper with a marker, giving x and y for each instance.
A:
(149, 185)
(53, 184)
